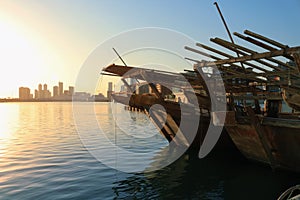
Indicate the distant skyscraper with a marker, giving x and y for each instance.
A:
(40, 87)
(55, 91)
(40, 91)
(71, 90)
(24, 93)
(46, 92)
(60, 88)
(110, 86)
(36, 94)
(109, 90)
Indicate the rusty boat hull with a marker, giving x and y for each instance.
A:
(272, 141)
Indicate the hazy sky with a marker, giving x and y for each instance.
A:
(46, 41)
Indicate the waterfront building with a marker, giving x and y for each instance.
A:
(24, 93)
(71, 90)
(36, 94)
(46, 92)
(40, 91)
(55, 91)
(109, 91)
(60, 88)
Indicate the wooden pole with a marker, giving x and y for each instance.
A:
(227, 29)
(265, 46)
(252, 75)
(263, 38)
(256, 42)
(119, 57)
(255, 56)
(230, 56)
(237, 48)
(268, 40)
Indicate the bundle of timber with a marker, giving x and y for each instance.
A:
(252, 74)
(256, 84)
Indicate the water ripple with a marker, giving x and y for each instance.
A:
(42, 157)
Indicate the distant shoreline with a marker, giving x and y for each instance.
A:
(47, 100)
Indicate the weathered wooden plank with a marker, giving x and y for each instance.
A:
(256, 42)
(230, 56)
(234, 49)
(256, 56)
(216, 58)
(214, 50)
(227, 69)
(263, 38)
(265, 46)
(240, 49)
(202, 53)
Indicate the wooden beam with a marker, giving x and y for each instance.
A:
(270, 41)
(237, 48)
(258, 43)
(193, 60)
(222, 68)
(214, 50)
(263, 38)
(201, 53)
(255, 56)
(241, 52)
(229, 56)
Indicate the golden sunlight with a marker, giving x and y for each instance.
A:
(7, 117)
(8, 125)
(20, 61)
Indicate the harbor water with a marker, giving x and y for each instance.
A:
(42, 156)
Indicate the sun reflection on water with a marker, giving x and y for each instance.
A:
(8, 123)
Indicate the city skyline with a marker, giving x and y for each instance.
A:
(42, 91)
(59, 93)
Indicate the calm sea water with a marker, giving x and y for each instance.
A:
(42, 157)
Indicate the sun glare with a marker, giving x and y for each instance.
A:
(20, 61)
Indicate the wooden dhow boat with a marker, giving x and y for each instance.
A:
(262, 97)
(258, 87)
